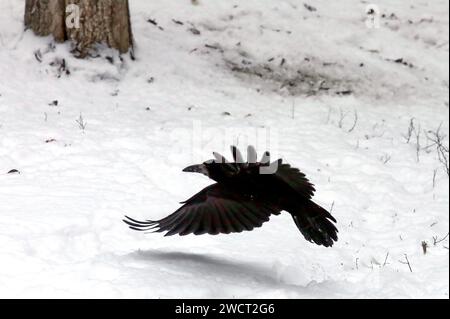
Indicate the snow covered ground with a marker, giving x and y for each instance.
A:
(96, 139)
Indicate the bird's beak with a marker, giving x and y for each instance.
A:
(200, 168)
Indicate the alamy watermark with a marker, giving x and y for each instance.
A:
(199, 141)
(73, 16)
(373, 14)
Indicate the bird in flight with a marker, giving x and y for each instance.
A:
(245, 195)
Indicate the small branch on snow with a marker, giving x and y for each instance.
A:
(329, 115)
(411, 129)
(342, 118)
(437, 139)
(386, 158)
(437, 241)
(354, 122)
(332, 206)
(434, 178)
(293, 109)
(385, 260)
(406, 263)
(81, 122)
(417, 133)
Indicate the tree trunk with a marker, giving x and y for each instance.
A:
(100, 21)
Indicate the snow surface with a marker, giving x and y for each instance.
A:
(232, 72)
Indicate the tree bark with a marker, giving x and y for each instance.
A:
(101, 21)
(46, 17)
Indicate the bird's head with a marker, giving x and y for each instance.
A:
(220, 169)
(198, 168)
(213, 170)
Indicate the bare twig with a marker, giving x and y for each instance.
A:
(407, 263)
(411, 128)
(417, 133)
(293, 109)
(386, 259)
(81, 122)
(386, 158)
(329, 115)
(332, 206)
(437, 138)
(437, 241)
(443, 158)
(434, 178)
(354, 122)
(342, 118)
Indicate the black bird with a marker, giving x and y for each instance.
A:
(245, 195)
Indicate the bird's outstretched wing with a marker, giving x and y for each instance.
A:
(295, 179)
(214, 210)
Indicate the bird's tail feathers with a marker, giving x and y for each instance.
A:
(315, 223)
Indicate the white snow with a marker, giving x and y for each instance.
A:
(61, 233)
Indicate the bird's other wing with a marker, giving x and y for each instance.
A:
(214, 210)
(295, 179)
